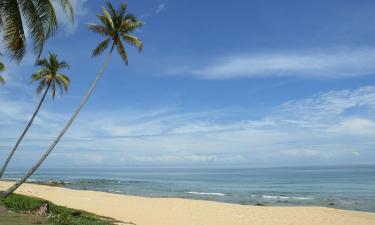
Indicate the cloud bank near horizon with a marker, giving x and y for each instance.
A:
(328, 128)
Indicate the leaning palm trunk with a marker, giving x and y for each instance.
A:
(58, 138)
(24, 132)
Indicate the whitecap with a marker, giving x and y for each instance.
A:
(205, 193)
(285, 197)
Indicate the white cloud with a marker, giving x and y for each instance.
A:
(314, 63)
(355, 126)
(324, 127)
(306, 153)
(161, 7)
(80, 10)
(331, 104)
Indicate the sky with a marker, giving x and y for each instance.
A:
(252, 83)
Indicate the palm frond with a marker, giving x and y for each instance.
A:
(131, 24)
(2, 67)
(14, 35)
(106, 17)
(42, 85)
(133, 40)
(64, 65)
(101, 47)
(122, 9)
(47, 16)
(34, 24)
(60, 86)
(67, 7)
(64, 80)
(99, 29)
(121, 51)
(112, 10)
(2, 80)
(42, 62)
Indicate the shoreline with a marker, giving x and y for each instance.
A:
(178, 211)
(283, 201)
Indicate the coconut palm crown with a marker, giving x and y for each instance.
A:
(116, 26)
(38, 17)
(49, 75)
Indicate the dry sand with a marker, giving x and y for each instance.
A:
(174, 211)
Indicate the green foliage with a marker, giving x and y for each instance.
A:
(49, 75)
(116, 26)
(57, 215)
(12, 218)
(21, 203)
(37, 17)
(2, 68)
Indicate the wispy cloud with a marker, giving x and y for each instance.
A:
(327, 127)
(161, 7)
(331, 104)
(339, 63)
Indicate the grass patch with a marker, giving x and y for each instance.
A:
(56, 215)
(12, 218)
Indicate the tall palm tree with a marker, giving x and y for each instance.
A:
(37, 16)
(2, 68)
(116, 26)
(49, 79)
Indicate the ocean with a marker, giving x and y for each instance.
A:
(344, 187)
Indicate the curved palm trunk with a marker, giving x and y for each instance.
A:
(62, 132)
(24, 131)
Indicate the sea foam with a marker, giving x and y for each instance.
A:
(205, 193)
(285, 197)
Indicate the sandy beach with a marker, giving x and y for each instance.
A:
(173, 211)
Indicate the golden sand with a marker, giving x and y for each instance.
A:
(174, 211)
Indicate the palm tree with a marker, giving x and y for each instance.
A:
(116, 26)
(49, 79)
(2, 68)
(40, 20)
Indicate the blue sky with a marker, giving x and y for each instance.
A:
(245, 83)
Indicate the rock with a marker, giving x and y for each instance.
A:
(41, 210)
(3, 209)
(76, 213)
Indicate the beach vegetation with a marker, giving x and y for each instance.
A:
(24, 206)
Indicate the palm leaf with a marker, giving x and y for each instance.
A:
(65, 81)
(101, 47)
(121, 51)
(2, 67)
(2, 80)
(133, 40)
(107, 18)
(64, 65)
(42, 85)
(34, 24)
(47, 16)
(14, 36)
(99, 29)
(67, 7)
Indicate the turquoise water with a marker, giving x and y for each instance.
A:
(345, 187)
